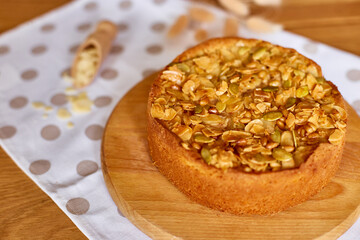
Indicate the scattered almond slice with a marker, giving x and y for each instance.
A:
(231, 27)
(45, 116)
(38, 105)
(63, 114)
(70, 125)
(179, 26)
(80, 103)
(201, 14)
(235, 6)
(336, 137)
(48, 108)
(70, 90)
(267, 2)
(201, 35)
(261, 25)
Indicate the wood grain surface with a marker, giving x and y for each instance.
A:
(156, 207)
(26, 211)
(24, 208)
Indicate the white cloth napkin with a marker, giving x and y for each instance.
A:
(65, 163)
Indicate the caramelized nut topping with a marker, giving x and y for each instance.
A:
(251, 106)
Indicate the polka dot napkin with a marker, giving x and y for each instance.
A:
(65, 162)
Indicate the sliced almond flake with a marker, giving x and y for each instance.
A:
(336, 137)
(268, 2)
(201, 14)
(211, 132)
(342, 112)
(287, 139)
(261, 25)
(222, 89)
(235, 6)
(201, 35)
(234, 135)
(184, 132)
(311, 81)
(157, 111)
(262, 106)
(188, 87)
(257, 129)
(231, 27)
(173, 76)
(179, 26)
(250, 125)
(169, 114)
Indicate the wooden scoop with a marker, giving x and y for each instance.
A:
(91, 54)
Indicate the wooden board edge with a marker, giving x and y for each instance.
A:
(154, 231)
(343, 227)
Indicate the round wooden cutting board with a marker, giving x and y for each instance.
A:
(157, 208)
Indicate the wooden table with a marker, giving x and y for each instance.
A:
(28, 213)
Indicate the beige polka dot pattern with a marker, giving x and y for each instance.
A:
(353, 75)
(109, 74)
(74, 48)
(94, 132)
(78, 206)
(48, 28)
(158, 27)
(122, 27)
(29, 74)
(86, 167)
(159, 1)
(120, 213)
(65, 72)
(18, 102)
(194, 24)
(125, 4)
(356, 105)
(154, 49)
(116, 49)
(7, 132)
(311, 47)
(50, 132)
(90, 6)
(148, 72)
(4, 50)
(39, 167)
(58, 99)
(39, 49)
(83, 27)
(102, 101)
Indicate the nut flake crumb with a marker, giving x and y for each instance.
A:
(70, 90)
(48, 108)
(80, 103)
(38, 105)
(70, 125)
(63, 114)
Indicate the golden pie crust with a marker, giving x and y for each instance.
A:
(233, 189)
